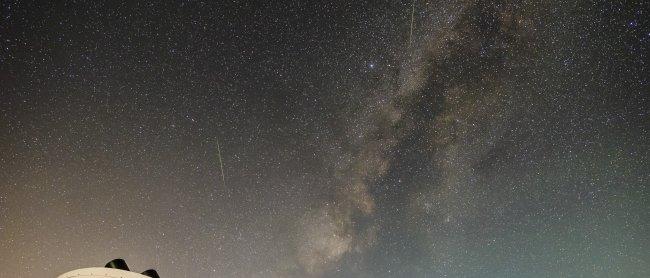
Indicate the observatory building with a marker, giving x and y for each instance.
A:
(114, 269)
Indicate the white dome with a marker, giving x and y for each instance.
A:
(101, 272)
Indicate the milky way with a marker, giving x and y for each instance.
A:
(361, 139)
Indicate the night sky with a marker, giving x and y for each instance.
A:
(326, 139)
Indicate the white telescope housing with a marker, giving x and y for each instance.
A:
(101, 272)
(114, 269)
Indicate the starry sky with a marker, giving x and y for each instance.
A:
(281, 138)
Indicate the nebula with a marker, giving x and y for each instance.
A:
(456, 93)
